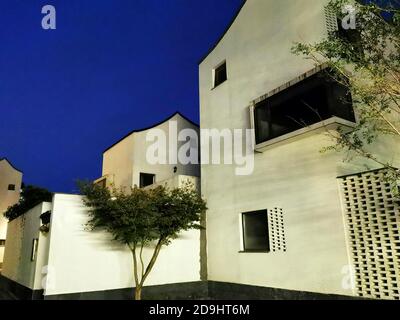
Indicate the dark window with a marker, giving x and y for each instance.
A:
(220, 75)
(351, 36)
(11, 187)
(255, 231)
(102, 183)
(317, 98)
(146, 179)
(2, 243)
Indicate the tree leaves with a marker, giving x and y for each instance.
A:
(369, 64)
(141, 216)
(31, 196)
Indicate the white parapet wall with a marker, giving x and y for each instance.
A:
(21, 264)
(81, 261)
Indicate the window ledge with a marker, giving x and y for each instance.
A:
(254, 251)
(219, 85)
(332, 123)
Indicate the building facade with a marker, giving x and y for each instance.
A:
(292, 224)
(302, 225)
(58, 258)
(10, 186)
(125, 164)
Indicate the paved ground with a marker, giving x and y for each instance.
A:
(5, 295)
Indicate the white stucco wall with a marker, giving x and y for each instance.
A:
(87, 261)
(8, 175)
(124, 162)
(292, 175)
(17, 258)
(162, 172)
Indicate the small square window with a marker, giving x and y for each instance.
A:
(255, 231)
(102, 183)
(220, 75)
(2, 243)
(11, 187)
(147, 179)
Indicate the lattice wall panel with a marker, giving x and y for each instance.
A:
(373, 222)
(331, 21)
(277, 238)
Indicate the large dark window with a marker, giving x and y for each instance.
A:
(317, 98)
(146, 179)
(220, 75)
(255, 231)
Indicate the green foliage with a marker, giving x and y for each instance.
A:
(143, 217)
(31, 196)
(367, 60)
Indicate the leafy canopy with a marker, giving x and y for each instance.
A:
(31, 196)
(142, 216)
(367, 60)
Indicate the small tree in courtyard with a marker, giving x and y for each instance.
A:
(143, 218)
(364, 55)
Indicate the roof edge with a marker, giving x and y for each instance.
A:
(223, 35)
(12, 166)
(152, 126)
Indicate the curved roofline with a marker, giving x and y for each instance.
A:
(153, 126)
(225, 32)
(12, 166)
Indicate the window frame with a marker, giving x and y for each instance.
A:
(35, 245)
(140, 179)
(12, 187)
(243, 230)
(101, 183)
(344, 110)
(215, 72)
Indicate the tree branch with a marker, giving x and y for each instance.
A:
(153, 260)
(141, 258)
(135, 266)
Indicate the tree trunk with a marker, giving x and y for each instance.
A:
(140, 283)
(138, 293)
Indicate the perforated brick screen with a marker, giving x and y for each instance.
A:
(277, 230)
(372, 219)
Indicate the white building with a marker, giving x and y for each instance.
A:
(10, 186)
(292, 228)
(51, 255)
(304, 224)
(125, 163)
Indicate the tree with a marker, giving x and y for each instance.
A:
(367, 60)
(142, 218)
(31, 196)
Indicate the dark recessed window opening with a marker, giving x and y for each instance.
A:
(313, 100)
(220, 75)
(102, 183)
(352, 36)
(255, 231)
(2, 243)
(11, 187)
(147, 179)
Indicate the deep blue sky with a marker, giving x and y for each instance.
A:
(110, 67)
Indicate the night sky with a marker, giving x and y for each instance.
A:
(111, 66)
